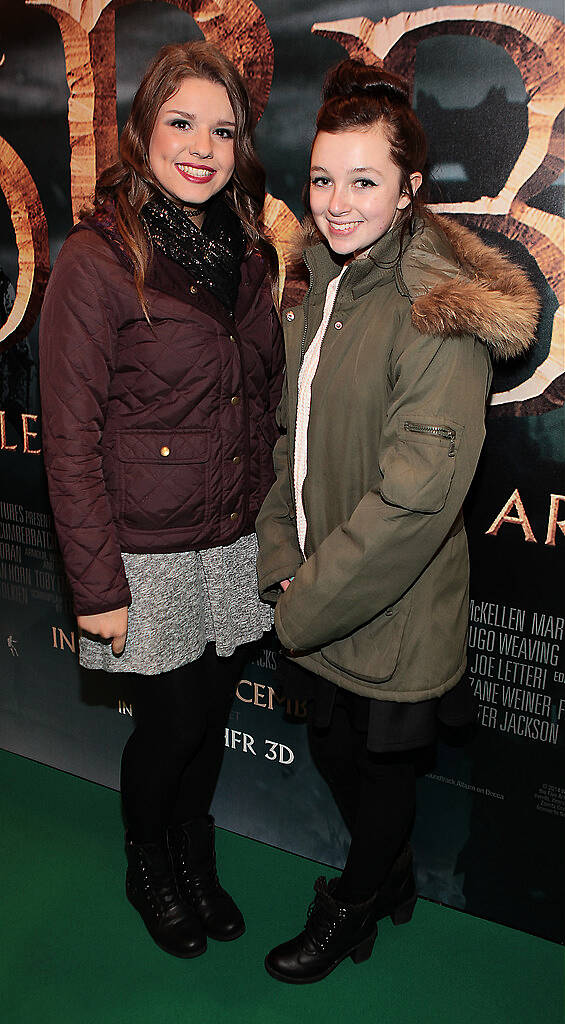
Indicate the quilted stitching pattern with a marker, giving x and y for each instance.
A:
(117, 393)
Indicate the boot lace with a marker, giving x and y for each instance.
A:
(324, 915)
(198, 879)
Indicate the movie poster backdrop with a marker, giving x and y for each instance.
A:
(488, 86)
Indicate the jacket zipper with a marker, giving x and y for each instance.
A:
(424, 428)
(306, 297)
(290, 454)
(302, 354)
(304, 332)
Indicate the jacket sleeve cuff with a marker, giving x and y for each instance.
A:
(286, 640)
(269, 579)
(86, 606)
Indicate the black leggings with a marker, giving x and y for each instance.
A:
(375, 793)
(172, 760)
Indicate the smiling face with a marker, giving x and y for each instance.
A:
(355, 188)
(191, 150)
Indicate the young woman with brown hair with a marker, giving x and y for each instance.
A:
(161, 368)
(362, 540)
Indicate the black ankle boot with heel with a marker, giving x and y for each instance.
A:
(335, 930)
(193, 855)
(152, 890)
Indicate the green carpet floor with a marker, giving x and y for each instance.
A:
(74, 952)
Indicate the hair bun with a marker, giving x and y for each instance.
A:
(354, 78)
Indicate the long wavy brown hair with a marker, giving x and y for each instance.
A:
(130, 182)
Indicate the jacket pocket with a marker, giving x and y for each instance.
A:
(371, 653)
(418, 467)
(163, 478)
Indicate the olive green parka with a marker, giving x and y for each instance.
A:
(380, 604)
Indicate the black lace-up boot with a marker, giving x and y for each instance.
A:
(193, 856)
(151, 888)
(335, 930)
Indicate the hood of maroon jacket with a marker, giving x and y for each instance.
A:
(157, 436)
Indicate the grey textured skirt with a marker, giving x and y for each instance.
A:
(181, 602)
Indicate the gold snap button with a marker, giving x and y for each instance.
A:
(237, 459)
(290, 315)
(338, 325)
(232, 337)
(193, 289)
(165, 451)
(235, 400)
(234, 516)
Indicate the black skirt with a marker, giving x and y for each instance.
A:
(390, 725)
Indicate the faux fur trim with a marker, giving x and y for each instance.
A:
(490, 297)
(303, 237)
(459, 285)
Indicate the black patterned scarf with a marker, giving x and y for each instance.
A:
(211, 254)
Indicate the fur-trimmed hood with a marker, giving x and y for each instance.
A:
(459, 285)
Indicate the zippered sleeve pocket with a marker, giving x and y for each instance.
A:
(418, 466)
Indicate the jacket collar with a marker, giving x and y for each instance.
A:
(167, 276)
(455, 283)
(362, 274)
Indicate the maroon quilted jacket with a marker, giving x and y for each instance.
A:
(156, 437)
